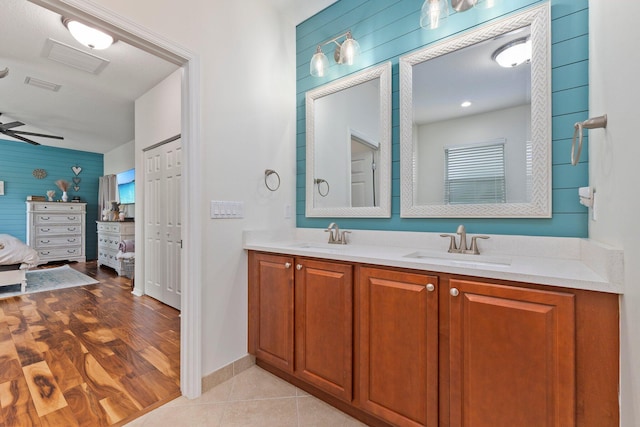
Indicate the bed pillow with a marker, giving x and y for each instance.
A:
(14, 251)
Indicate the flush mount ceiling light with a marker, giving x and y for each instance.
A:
(345, 53)
(513, 53)
(88, 36)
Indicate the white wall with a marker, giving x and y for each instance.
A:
(120, 159)
(247, 58)
(613, 164)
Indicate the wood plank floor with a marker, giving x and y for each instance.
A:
(86, 356)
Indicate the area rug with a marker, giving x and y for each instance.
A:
(49, 279)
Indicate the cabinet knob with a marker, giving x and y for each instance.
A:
(299, 267)
(454, 292)
(430, 287)
(287, 264)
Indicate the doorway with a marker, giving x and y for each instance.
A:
(190, 272)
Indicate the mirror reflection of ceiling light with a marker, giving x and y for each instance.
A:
(513, 53)
(466, 104)
(88, 36)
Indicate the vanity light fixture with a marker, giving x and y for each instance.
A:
(88, 36)
(434, 12)
(513, 53)
(345, 53)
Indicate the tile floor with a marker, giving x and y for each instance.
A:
(254, 397)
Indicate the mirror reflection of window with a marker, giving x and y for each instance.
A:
(475, 174)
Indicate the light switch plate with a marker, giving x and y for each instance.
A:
(1, 188)
(223, 209)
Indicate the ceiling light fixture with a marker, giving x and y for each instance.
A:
(345, 53)
(88, 36)
(513, 53)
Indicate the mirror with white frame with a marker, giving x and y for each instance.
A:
(348, 146)
(475, 137)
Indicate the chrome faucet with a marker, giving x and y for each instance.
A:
(335, 235)
(462, 247)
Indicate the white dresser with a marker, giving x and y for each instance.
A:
(57, 230)
(110, 234)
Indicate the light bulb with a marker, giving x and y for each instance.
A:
(319, 63)
(349, 50)
(433, 13)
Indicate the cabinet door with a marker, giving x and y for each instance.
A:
(512, 359)
(271, 309)
(398, 346)
(324, 325)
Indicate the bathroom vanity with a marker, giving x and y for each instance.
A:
(396, 336)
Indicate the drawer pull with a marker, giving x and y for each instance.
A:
(45, 218)
(71, 229)
(45, 241)
(454, 292)
(45, 230)
(71, 218)
(287, 264)
(71, 240)
(430, 287)
(299, 267)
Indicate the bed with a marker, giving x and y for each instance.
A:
(15, 259)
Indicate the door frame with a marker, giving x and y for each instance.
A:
(191, 272)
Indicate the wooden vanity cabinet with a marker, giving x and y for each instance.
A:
(300, 319)
(512, 356)
(397, 346)
(271, 305)
(324, 325)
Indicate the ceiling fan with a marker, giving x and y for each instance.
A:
(6, 128)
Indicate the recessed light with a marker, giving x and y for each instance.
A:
(466, 104)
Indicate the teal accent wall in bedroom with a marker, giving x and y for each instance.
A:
(389, 29)
(17, 162)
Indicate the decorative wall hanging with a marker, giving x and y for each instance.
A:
(39, 173)
(76, 170)
(76, 180)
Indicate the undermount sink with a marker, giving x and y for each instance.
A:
(318, 246)
(460, 259)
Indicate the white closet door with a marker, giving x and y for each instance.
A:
(163, 224)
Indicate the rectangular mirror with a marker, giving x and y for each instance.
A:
(348, 130)
(475, 136)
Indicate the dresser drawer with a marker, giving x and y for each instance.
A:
(45, 242)
(40, 219)
(47, 230)
(61, 253)
(58, 207)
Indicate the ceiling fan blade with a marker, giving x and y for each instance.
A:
(10, 125)
(13, 135)
(36, 134)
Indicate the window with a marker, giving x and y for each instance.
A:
(475, 174)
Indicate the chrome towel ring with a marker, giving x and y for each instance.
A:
(592, 123)
(318, 182)
(271, 179)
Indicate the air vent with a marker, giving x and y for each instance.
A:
(73, 57)
(32, 81)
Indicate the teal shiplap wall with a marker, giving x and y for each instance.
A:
(17, 162)
(389, 29)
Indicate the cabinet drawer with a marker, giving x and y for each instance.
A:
(44, 230)
(40, 219)
(108, 241)
(58, 207)
(44, 242)
(59, 252)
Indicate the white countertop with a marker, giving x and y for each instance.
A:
(556, 261)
